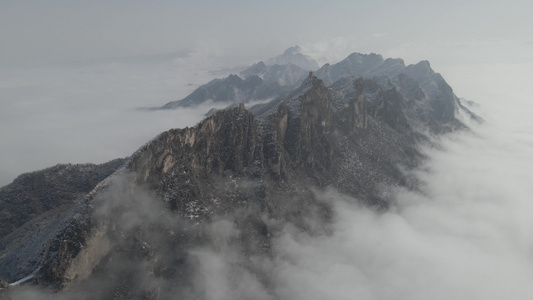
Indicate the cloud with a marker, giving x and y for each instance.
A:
(466, 235)
(88, 112)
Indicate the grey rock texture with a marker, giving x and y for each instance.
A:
(33, 194)
(34, 207)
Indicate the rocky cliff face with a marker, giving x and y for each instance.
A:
(35, 206)
(33, 194)
(238, 177)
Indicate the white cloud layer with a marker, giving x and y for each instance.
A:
(89, 112)
(469, 235)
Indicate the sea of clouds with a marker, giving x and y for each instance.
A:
(91, 111)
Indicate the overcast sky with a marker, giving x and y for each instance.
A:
(452, 31)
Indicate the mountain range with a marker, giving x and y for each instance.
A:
(140, 227)
(261, 81)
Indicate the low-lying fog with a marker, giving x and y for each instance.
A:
(90, 112)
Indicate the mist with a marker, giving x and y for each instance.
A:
(466, 235)
(93, 111)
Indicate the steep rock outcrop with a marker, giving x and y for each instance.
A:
(438, 93)
(356, 64)
(38, 205)
(33, 194)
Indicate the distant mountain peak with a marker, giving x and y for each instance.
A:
(292, 50)
(360, 57)
(294, 55)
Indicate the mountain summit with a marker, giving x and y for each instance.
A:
(230, 186)
(294, 55)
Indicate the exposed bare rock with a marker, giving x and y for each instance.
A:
(3, 284)
(35, 206)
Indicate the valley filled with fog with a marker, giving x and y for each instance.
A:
(91, 112)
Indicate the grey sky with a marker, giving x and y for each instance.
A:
(52, 31)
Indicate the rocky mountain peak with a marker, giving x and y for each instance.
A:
(420, 71)
(311, 81)
(256, 68)
(356, 64)
(360, 58)
(294, 56)
(292, 50)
